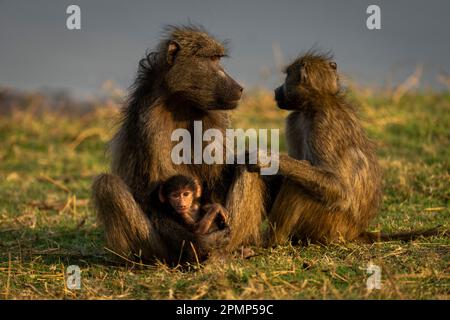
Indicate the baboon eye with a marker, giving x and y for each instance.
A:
(215, 59)
(333, 65)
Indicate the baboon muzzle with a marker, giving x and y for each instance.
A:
(279, 97)
(229, 95)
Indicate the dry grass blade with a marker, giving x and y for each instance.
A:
(411, 82)
(87, 134)
(54, 182)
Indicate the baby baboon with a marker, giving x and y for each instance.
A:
(181, 198)
(332, 180)
(182, 82)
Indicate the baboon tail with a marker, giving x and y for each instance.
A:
(372, 237)
(127, 228)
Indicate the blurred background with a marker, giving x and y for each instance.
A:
(38, 52)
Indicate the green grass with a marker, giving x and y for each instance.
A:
(48, 160)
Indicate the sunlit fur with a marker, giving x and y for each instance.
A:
(332, 181)
(164, 98)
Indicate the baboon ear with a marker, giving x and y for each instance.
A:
(172, 50)
(161, 196)
(303, 72)
(333, 65)
(198, 189)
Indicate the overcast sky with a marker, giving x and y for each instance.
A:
(37, 51)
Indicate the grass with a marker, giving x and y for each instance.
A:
(48, 160)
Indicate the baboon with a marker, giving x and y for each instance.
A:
(331, 187)
(332, 181)
(181, 196)
(181, 82)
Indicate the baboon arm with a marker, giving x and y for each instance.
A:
(188, 220)
(213, 210)
(203, 226)
(320, 183)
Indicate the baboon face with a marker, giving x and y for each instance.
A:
(181, 200)
(196, 76)
(308, 74)
(181, 192)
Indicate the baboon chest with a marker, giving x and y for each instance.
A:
(182, 154)
(298, 136)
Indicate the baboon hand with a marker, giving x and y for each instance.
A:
(218, 211)
(257, 160)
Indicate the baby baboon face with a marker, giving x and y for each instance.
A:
(181, 193)
(182, 200)
(308, 74)
(195, 74)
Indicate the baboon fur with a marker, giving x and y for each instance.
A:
(176, 85)
(332, 181)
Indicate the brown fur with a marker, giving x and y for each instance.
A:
(175, 86)
(372, 237)
(200, 219)
(332, 180)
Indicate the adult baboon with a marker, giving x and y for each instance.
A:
(182, 82)
(331, 188)
(332, 182)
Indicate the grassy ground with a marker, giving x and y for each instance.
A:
(47, 162)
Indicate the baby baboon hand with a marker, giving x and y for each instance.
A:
(217, 210)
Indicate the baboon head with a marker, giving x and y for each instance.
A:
(194, 74)
(310, 75)
(181, 193)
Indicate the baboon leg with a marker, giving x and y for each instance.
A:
(245, 204)
(291, 212)
(127, 228)
(305, 224)
(283, 217)
(297, 214)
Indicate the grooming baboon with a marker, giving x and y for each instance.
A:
(331, 188)
(332, 180)
(181, 198)
(182, 82)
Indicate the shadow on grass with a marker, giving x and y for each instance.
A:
(79, 246)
